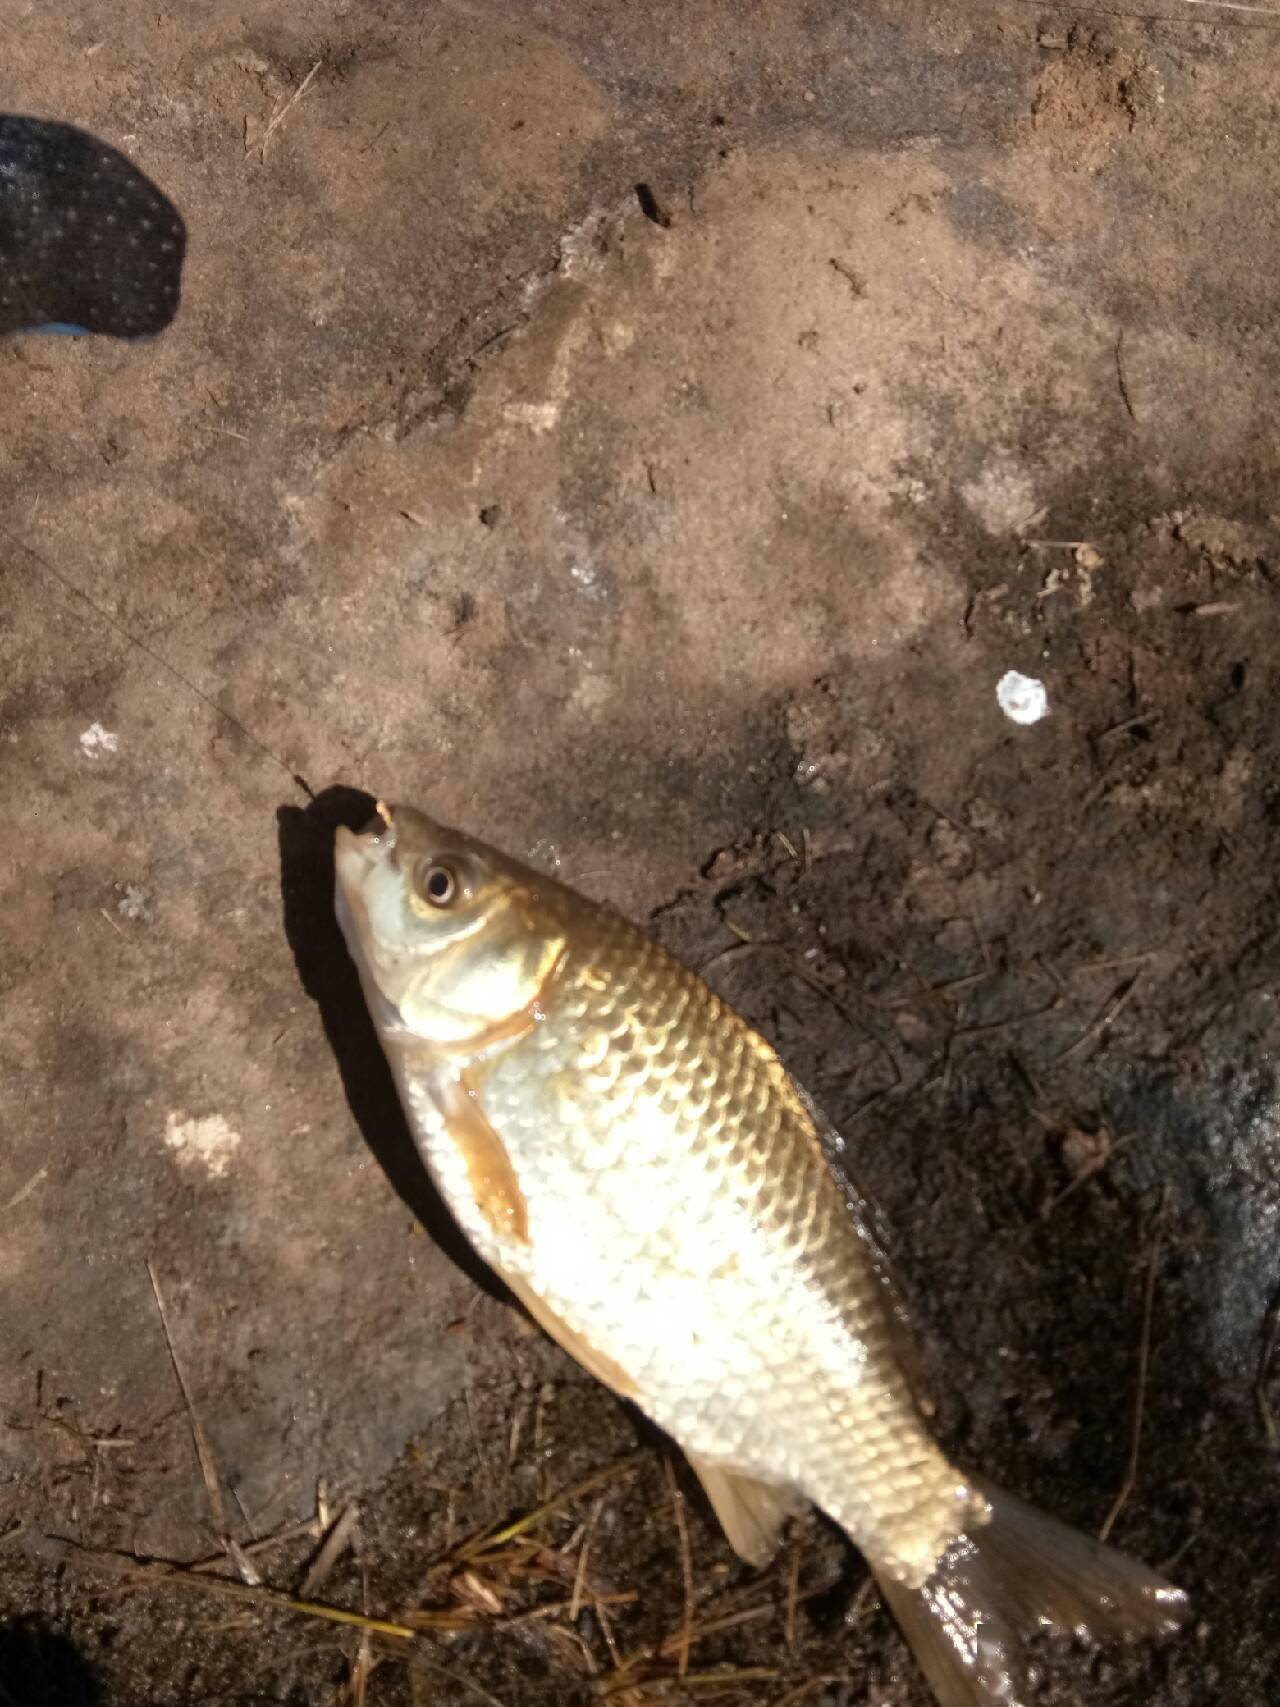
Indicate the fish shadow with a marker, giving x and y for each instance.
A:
(40, 1668)
(329, 977)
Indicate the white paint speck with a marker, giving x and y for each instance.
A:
(585, 575)
(1022, 698)
(545, 855)
(95, 740)
(538, 417)
(134, 904)
(207, 1142)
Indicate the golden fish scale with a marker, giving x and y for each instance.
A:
(655, 1134)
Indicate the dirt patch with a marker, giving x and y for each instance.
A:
(677, 543)
(1091, 94)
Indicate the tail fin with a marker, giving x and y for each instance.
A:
(1016, 1573)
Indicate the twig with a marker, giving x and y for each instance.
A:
(555, 1608)
(248, 1521)
(1163, 17)
(497, 1537)
(1270, 1332)
(1144, 720)
(793, 1597)
(166, 1577)
(277, 119)
(1123, 383)
(568, 1637)
(686, 1570)
(1090, 1171)
(742, 946)
(243, 1564)
(332, 1549)
(729, 1615)
(295, 1532)
(985, 1027)
(798, 970)
(1232, 6)
(712, 1627)
(860, 1602)
(896, 1001)
(482, 1462)
(805, 1688)
(722, 1677)
(856, 283)
(1144, 1359)
(208, 1469)
(584, 1549)
(1169, 1566)
(518, 1414)
(788, 844)
(433, 1668)
(1115, 962)
(606, 1630)
(361, 1671)
(1105, 1017)
(143, 1572)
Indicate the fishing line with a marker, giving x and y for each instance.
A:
(172, 670)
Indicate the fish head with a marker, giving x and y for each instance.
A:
(453, 940)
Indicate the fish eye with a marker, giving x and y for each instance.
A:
(439, 886)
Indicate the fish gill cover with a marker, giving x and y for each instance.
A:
(87, 242)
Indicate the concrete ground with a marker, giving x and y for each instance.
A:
(644, 435)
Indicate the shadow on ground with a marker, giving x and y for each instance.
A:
(330, 979)
(40, 1668)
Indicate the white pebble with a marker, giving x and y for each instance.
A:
(1022, 698)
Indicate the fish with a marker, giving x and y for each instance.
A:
(639, 1167)
(88, 244)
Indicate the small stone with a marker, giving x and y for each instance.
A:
(1023, 699)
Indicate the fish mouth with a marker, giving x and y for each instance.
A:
(356, 857)
(357, 853)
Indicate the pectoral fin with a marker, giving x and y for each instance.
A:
(490, 1172)
(751, 1513)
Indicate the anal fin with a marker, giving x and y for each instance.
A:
(751, 1513)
